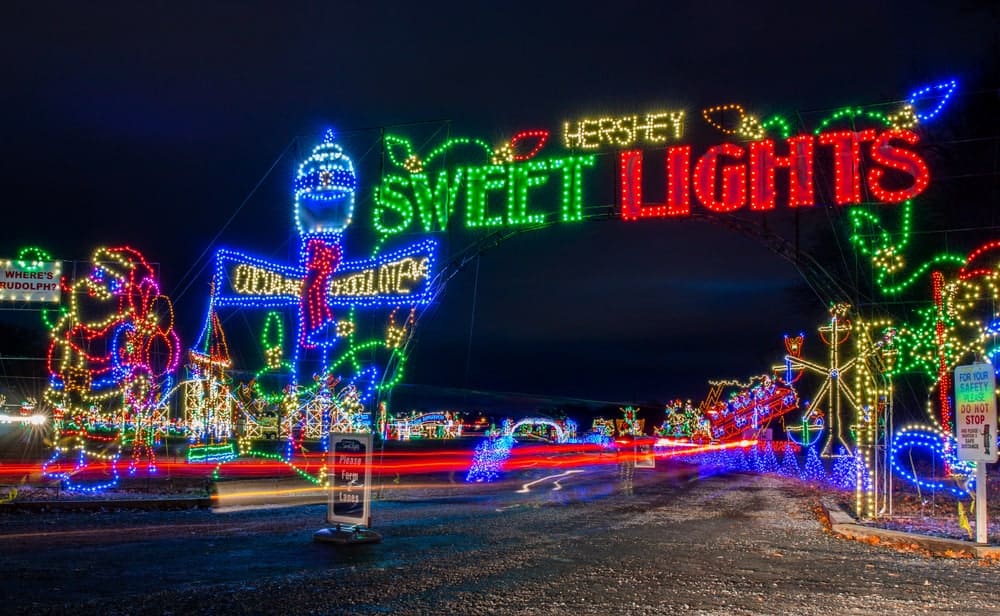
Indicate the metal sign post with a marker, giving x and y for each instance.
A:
(349, 508)
(976, 429)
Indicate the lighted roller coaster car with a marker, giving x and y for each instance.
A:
(750, 409)
(268, 426)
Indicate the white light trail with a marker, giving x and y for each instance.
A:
(527, 487)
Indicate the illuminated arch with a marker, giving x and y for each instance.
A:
(538, 421)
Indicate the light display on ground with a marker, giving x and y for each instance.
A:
(320, 377)
(558, 430)
(112, 362)
(954, 326)
(683, 420)
(630, 424)
(329, 382)
(489, 457)
(836, 393)
(441, 425)
(209, 409)
(27, 413)
(750, 407)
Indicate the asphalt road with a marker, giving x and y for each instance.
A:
(583, 543)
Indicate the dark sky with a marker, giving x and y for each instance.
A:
(150, 123)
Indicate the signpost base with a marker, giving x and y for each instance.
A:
(347, 535)
(981, 519)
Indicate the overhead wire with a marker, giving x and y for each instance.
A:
(188, 274)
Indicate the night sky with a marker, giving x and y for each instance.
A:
(150, 124)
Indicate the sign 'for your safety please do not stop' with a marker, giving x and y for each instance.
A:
(976, 416)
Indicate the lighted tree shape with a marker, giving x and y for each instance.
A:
(767, 461)
(790, 463)
(843, 475)
(208, 403)
(813, 470)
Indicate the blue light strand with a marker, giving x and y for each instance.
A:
(844, 473)
(933, 91)
(932, 440)
(65, 478)
(324, 178)
(767, 462)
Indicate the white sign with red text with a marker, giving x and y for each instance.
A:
(30, 281)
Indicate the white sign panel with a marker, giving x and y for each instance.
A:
(32, 281)
(976, 413)
(350, 479)
(645, 456)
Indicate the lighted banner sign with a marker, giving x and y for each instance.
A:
(400, 276)
(352, 309)
(33, 281)
(760, 165)
(976, 413)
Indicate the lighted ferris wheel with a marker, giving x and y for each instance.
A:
(833, 393)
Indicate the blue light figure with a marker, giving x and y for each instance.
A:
(325, 190)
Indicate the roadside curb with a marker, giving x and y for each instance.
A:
(143, 504)
(844, 525)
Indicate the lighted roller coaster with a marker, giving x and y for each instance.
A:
(750, 408)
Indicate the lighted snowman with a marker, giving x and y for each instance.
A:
(325, 189)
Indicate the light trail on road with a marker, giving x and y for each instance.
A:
(527, 487)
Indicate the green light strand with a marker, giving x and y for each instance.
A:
(273, 334)
(860, 217)
(886, 256)
(902, 286)
(202, 452)
(216, 474)
(63, 310)
(25, 257)
(776, 120)
(398, 376)
(29, 254)
(458, 141)
(852, 113)
(394, 144)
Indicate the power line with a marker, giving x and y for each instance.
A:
(225, 226)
